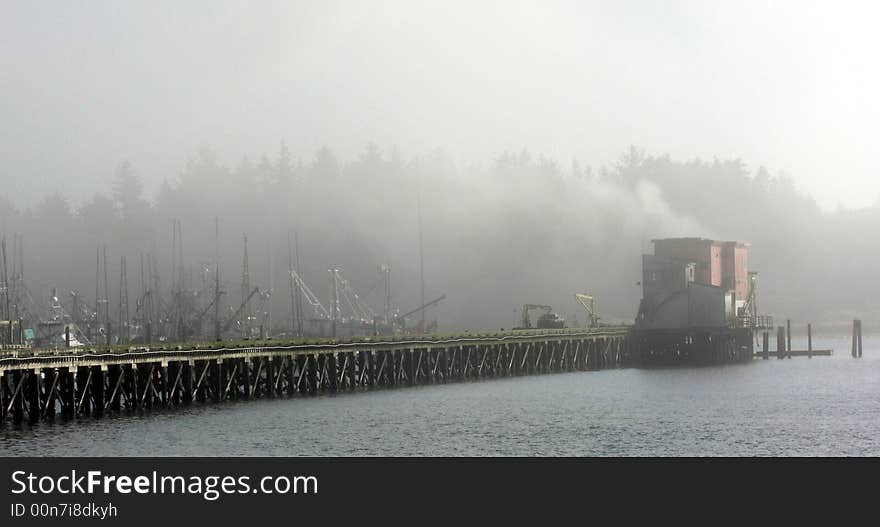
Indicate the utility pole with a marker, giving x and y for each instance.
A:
(155, 288)
(4, 290)
(74, 299)
(300, 318)
(386, 271)
(181, 329)
(421, 263)
(150, 303)
(245, 293)
(266, 333)
(216, 279)
(173, 257)
(141, 307)
(293, 314)
(124, 334)
(106, 297)
(334, 306)
(97, 297)
(20, 285)
(12, 287)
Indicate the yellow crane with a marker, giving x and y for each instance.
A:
(589, 304)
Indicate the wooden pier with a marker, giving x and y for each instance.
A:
(797, 353)
(44, 385)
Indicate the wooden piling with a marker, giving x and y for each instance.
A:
(788, 336)
(2, 397)
(766, 345)
(859, 337)
(66, 393)
(780, 342)
(32, 393)
(269, 389)
(97, 395)
(332, 372)
(291, 380)
(16, 399)
(188, 372)
(809, 340)
(116, 376)
(312, 374)
(219, 381)
(856, 337)
(50, 386)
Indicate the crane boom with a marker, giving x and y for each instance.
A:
(311, 298)
(424, 306)
(238, 311)
(589, 304)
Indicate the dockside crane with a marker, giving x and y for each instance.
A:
(319, 310)
(589, 304)
(234, 317)
(420, 309)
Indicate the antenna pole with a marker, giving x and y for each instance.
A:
(216, 278)
(421, 262)
(106, 297)
(298, 290)
(245, 292)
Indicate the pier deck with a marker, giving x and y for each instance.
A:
(45, 384)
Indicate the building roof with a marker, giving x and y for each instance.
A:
(698, 239)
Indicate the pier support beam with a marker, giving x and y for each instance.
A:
(16, 399)
(97, 388)
(32, 395)
(312, 374)
(3, 397)
(331, 372)
(66, 393)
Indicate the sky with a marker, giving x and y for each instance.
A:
(788, 85)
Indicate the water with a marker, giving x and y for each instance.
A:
(799, 406)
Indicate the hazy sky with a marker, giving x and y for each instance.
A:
(791, 85)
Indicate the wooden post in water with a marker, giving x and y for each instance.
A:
(860, 337)
(780, 342)
(788, 336)
(766, 345)
(854, 341)
(809, 340)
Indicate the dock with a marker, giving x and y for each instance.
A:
(75, 383)
(45, 384)
(797, 353)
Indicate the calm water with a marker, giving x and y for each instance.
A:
(798, 406)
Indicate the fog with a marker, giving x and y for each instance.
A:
(508, 124)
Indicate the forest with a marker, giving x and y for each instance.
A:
(519, 228)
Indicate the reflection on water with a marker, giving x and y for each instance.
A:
(799, 406)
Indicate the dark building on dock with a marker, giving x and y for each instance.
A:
(698, 302)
